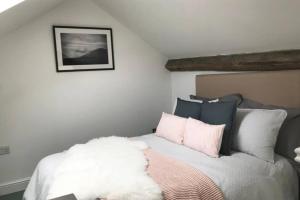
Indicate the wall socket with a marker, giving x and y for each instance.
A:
(4, 150)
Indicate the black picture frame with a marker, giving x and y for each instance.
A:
(83, 48)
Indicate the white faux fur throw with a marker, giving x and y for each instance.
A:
(113, 168)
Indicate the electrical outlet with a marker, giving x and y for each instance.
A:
(4, 150)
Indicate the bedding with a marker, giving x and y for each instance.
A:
(190, 100)
(217, 114)
(108, 168)
(171, 127)
(188, 109)
(190, 183)
(257, 130)
(239, 176)
(203, 137)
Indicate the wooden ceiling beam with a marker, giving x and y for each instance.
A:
(265, 61)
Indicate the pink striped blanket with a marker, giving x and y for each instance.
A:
(179, 181)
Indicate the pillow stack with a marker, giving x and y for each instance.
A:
(192, 133)
(214, 113)
(208, 128)
(262, 128)
(221, 113)
(215, 125)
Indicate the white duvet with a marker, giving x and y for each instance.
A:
(239, 176)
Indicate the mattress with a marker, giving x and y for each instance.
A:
(239, 176)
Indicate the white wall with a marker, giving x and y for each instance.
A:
(183, 84)
(44, 112)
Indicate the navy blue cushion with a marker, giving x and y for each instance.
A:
(231, 97)
(188, 109)
(221, 113)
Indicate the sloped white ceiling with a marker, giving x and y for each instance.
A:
(24, 12)
(187, 28)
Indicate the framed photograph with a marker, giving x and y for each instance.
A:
(83, 48)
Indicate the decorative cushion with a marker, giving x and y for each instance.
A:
(231, 97)
(257, 130)
(188, 109)
(171, 127)
(289, 134)
(221, 113)
(190, 100)
(203, 137)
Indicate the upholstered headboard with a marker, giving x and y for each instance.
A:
(280, 88)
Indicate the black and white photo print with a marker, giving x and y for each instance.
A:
(83, 48)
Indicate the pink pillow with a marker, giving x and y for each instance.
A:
(203, 137)
(171, 127)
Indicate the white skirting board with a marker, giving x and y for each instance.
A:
(16, 186)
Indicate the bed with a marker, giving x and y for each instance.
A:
(239, 176)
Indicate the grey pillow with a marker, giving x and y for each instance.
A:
(289, 133)
(289, 137)
(227, 98)
(257, 130)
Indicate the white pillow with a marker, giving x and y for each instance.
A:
(257, 130)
